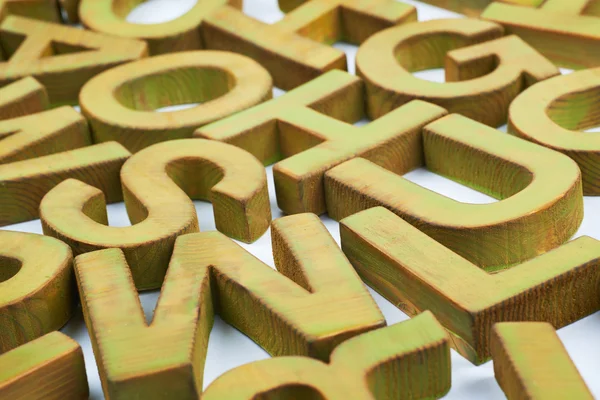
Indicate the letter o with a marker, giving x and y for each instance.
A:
(120, 103)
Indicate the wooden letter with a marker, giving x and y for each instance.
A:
(48, 368)
(37, 289)
(290, 48)
(315, 303)
(157, 185)
(565, 31)
(257, 130)
(24, 183)
(555, 112)
(42, 134)
(531, 363)
(23, 97)
(541, 203)
(409, 360)
(417, 273)
(62, 58)
(180, 34)
(120, 103)
(482, 78)
(315, 142)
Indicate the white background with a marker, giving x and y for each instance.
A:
(228, 348)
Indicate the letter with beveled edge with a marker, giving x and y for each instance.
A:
(120, 104)
(37, 290)
(62, 58)
(565, 31)
(294, 49)
(409, 360)
(554, 113)
(417, 273)
(531, 363)
(540, 207)
(484, 71)
(48, 368)
(314, 303)
(158, 183)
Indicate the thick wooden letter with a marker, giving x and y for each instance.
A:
(565, 31)
(42, 134)
(290, 48)
(62, 58)
(37, 291)
(553, 114)
(48, 368)
(541, 203)
(531, 363)
(23, 184)
(157, 185)
(23, 97)
(315, 303)
(410, 360)
(315, 142)
(179, 34)
(417, 273)
(483, 78)
(57, 136)
(257, 130)
(120, 103)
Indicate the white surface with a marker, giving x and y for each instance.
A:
(228, 348)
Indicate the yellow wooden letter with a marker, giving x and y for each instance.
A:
(410, 360)
(416, 273)
(37, 291)
(313, 304)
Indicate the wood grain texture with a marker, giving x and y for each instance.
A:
(24, 183)
(45, 10)
(48, 368)
(158, 183)
(37, 288)
(299, 179)
(37, 135)
(351, 21)
(473, 8)
(62, 58)
(416, 273)
(120, 103)
(179, 34)
(258, 131)
(314, 303)
(565, 31)
(295, 49)
(409, 360)
(556, 112)
(541, 203)
(484, 71)
(531, 363)
(306, 128)
(23, 97)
